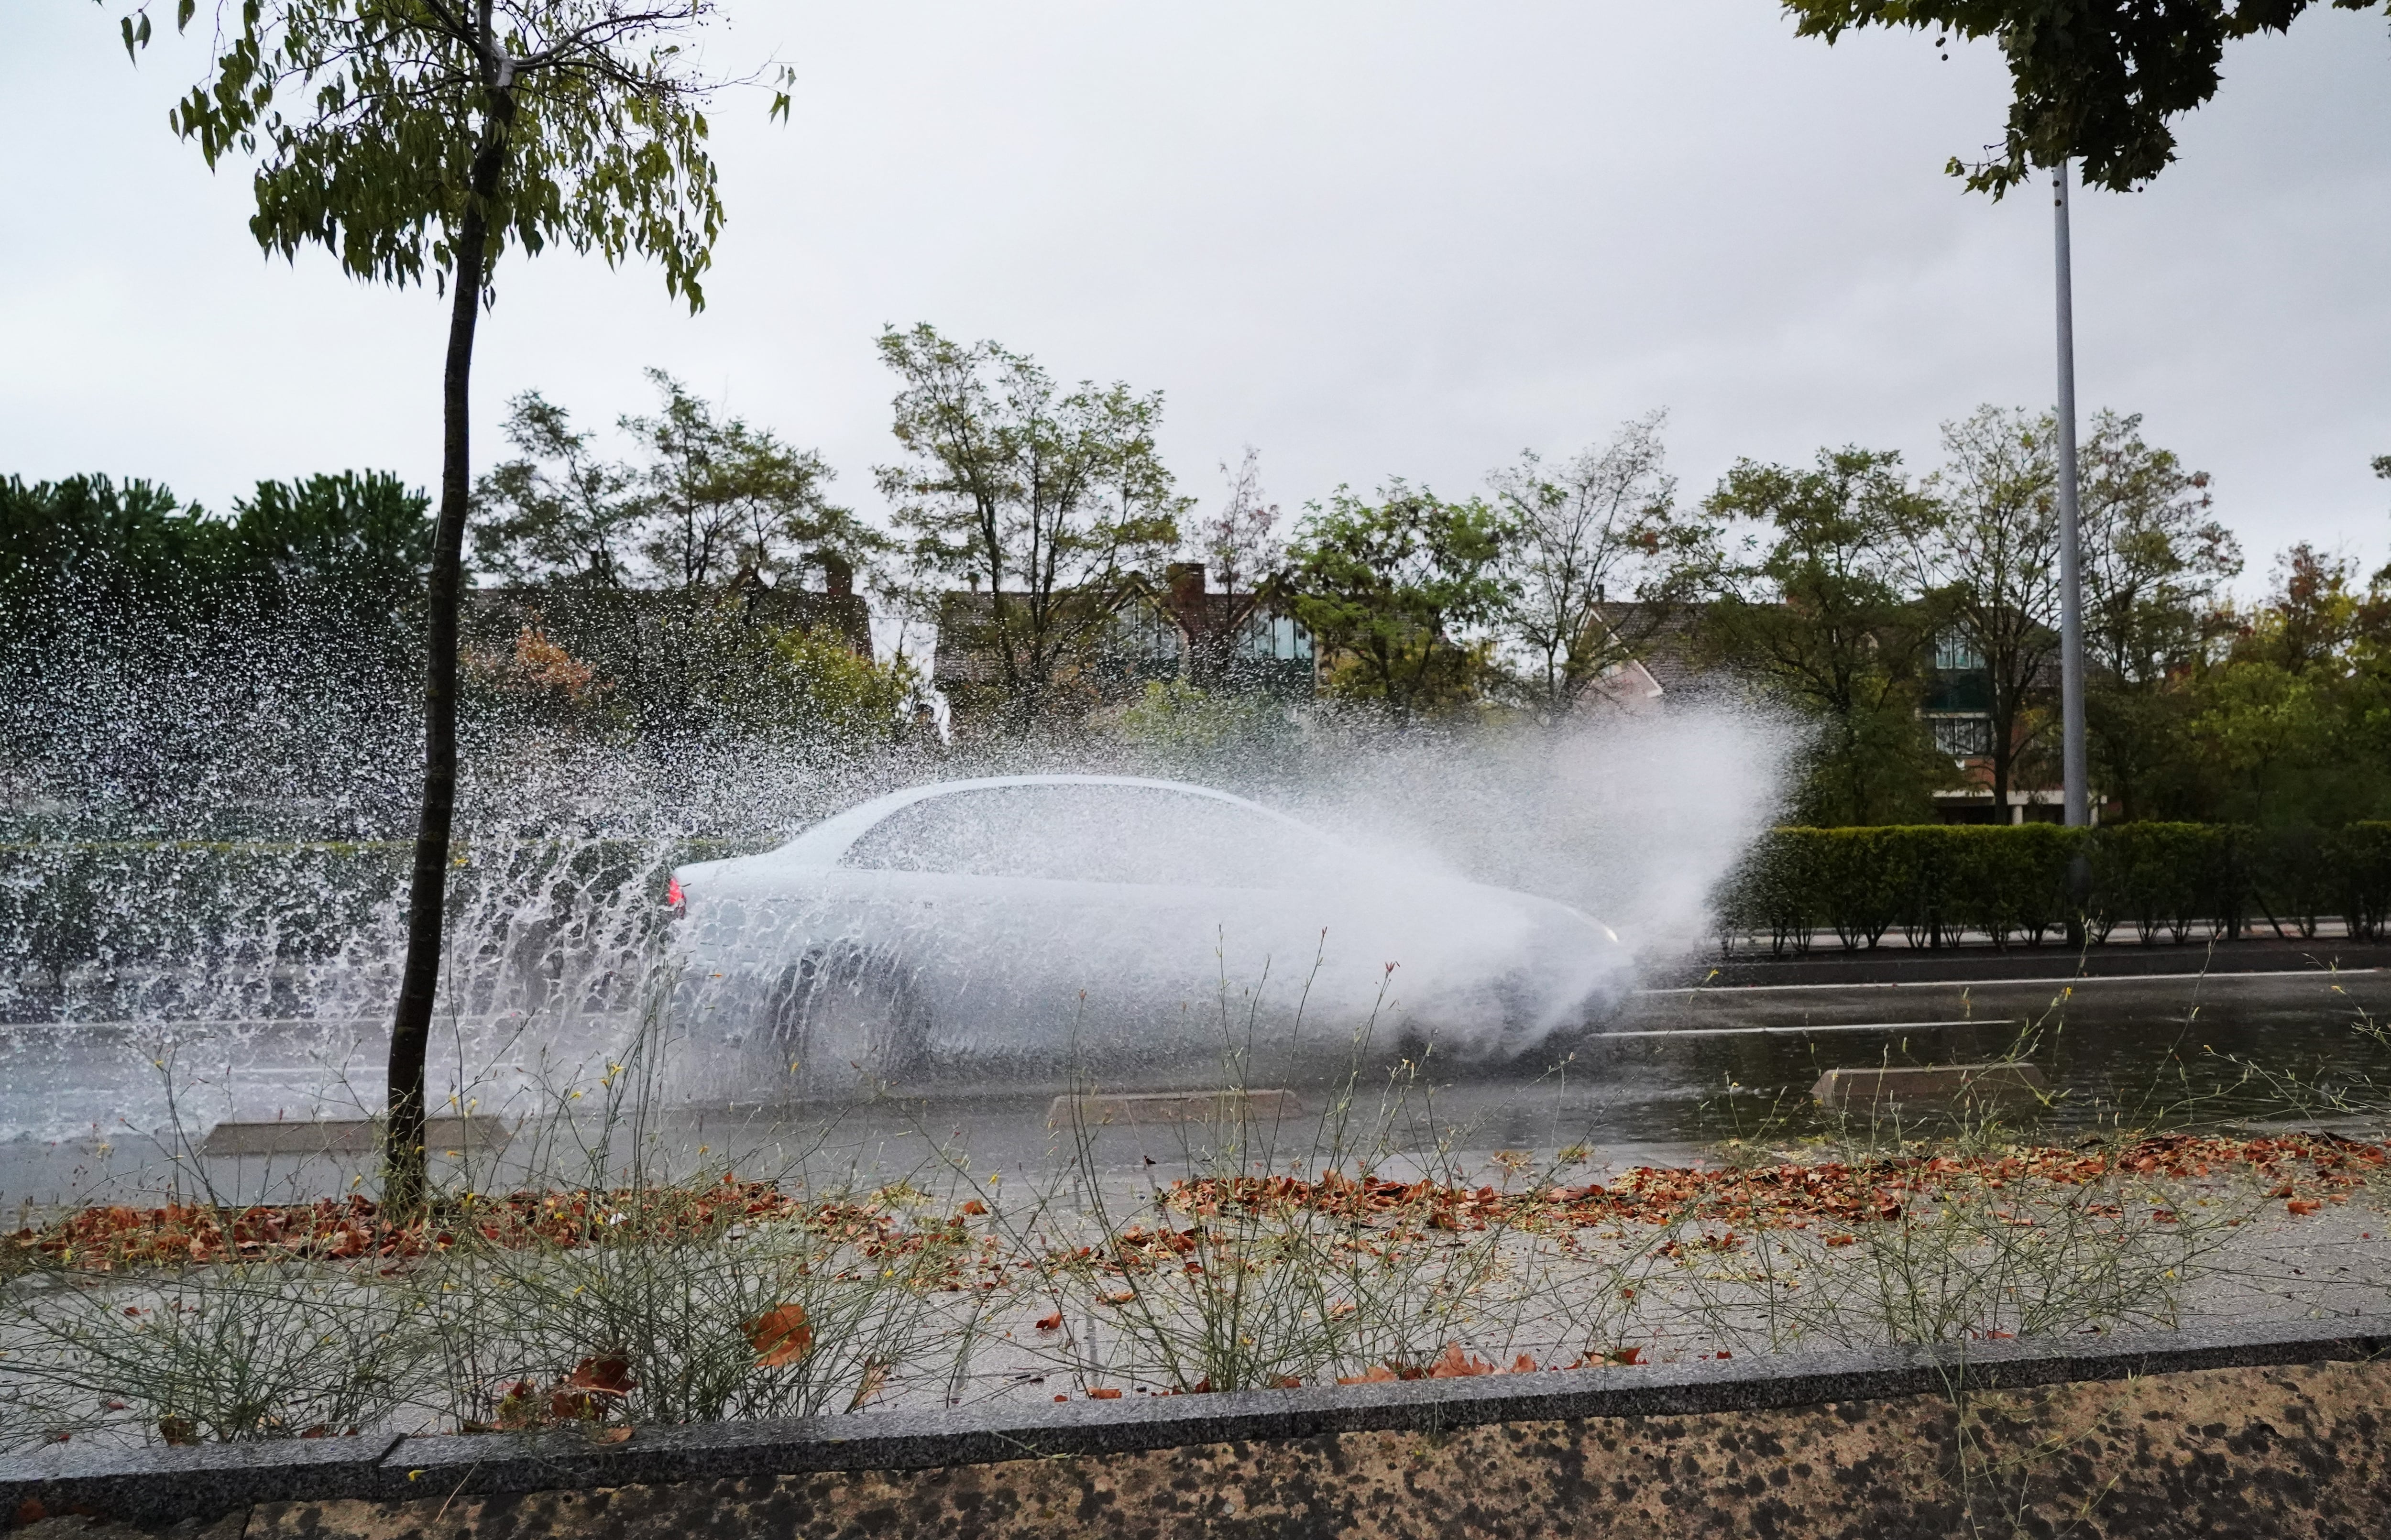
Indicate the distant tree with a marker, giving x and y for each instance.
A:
(365, 539)
(355, 538)
(721, 502)
(707, 503)
(107, 540)
(2155, 566)
(415, 140)
(1582, 535)
(2294, 726)
(1241, 546)
(1808, 600)
(2098, 83)
(556, 511)
(1984, 545)
(1050, 498)
(1400, 593)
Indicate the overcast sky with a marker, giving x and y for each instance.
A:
(1373, 240)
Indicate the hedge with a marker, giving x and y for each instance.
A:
(2025, 884)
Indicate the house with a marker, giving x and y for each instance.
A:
(1101, 646)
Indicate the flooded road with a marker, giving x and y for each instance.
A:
(121, 1111)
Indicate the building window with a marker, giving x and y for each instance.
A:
(1274, 637)
(1962, 737)
(1954, 654)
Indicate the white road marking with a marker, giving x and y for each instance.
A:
(1803, 1031)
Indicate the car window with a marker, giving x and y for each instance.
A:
(1092, 833)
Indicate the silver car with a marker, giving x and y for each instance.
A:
(1021, 928)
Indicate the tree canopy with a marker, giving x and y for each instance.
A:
(2097, 82)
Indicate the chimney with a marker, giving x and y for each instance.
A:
(1185, 581)
(838, 575)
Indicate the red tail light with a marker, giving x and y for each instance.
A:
(674, 900)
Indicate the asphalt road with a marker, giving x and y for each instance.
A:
(116, 1113)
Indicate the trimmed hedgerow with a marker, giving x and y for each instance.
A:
(2036, 882)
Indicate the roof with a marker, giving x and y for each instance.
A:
(1660, 637)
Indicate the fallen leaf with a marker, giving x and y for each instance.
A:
(1104, 1392)
(780, 1336)
(1374, 1375)
(1121, 1297)
(2302, 1206)
(178, 1430)
(1626, 1355)
(974, 1206)
(1287, 1382)
(612, 1435)
(1051, 1323)
(594, 1384)
(1454, 1363)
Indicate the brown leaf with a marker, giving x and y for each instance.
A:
(611, 1435)
(974, 1206)
(178, 1430)
(2304, 1206)
(1104, 1392)
(1375, 1373)
(1454, 1363)
(1050, 1323)
(780, 1336)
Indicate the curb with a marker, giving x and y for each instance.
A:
(162, 1485)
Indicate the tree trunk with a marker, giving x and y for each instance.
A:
(403, 1149)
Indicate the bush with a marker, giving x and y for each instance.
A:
(2017, 882)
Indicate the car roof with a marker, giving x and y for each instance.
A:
(826, 841)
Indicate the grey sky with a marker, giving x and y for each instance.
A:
(1371, 238)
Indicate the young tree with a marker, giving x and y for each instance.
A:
(415, 139)
(1240, 546)
(719, 502)
(1400, 592)
(2154, 570)
(2097, 84)
(1811, 607)
(1985, 546)
(707, 504)
(1049, 498)
(557, 511)
(1600, 528)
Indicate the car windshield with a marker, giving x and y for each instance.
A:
(1094, 833)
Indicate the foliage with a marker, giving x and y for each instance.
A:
(1578, 535)
(2012, 883)
(709, 504)
(1397, 592)
(2095, 84)
(1240, 545)
(1050, 498)
(1181, 719)
(1811, 608)
(354, 538)
(1983, 549)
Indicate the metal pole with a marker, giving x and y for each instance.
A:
(2071, 570)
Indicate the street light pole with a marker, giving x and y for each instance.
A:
(2071, 569)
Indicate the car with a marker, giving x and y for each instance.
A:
(1034, 928)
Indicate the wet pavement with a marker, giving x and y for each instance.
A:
(117, 1114)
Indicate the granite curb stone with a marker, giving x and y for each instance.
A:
(156, 1486)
